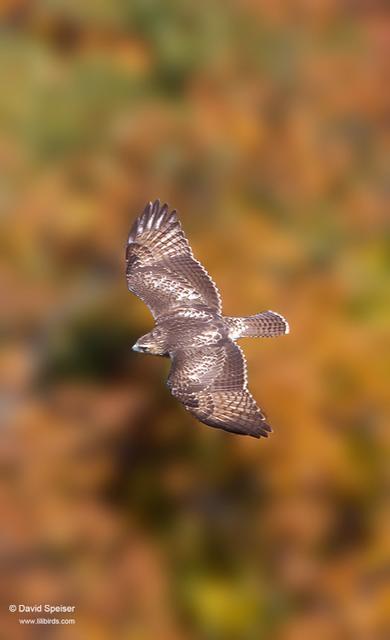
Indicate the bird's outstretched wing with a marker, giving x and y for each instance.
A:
(160, 266)
(212, 384)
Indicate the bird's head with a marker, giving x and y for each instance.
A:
(154, 343)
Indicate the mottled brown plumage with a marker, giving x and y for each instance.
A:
(208, 373)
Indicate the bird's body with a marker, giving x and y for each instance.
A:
(188, 328)
(208, 373)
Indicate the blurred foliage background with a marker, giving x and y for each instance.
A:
(264, 123)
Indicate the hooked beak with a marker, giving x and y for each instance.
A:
(135, 347)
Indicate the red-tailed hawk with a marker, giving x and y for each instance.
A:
(208, 372)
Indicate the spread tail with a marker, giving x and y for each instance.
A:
(263, 325)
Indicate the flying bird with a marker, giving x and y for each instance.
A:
(208, 369)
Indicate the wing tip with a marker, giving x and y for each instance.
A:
(154, 215)
(259, 430)
(265, 430)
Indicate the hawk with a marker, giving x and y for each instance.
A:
(208, 370)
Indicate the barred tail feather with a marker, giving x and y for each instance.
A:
(262, 325)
